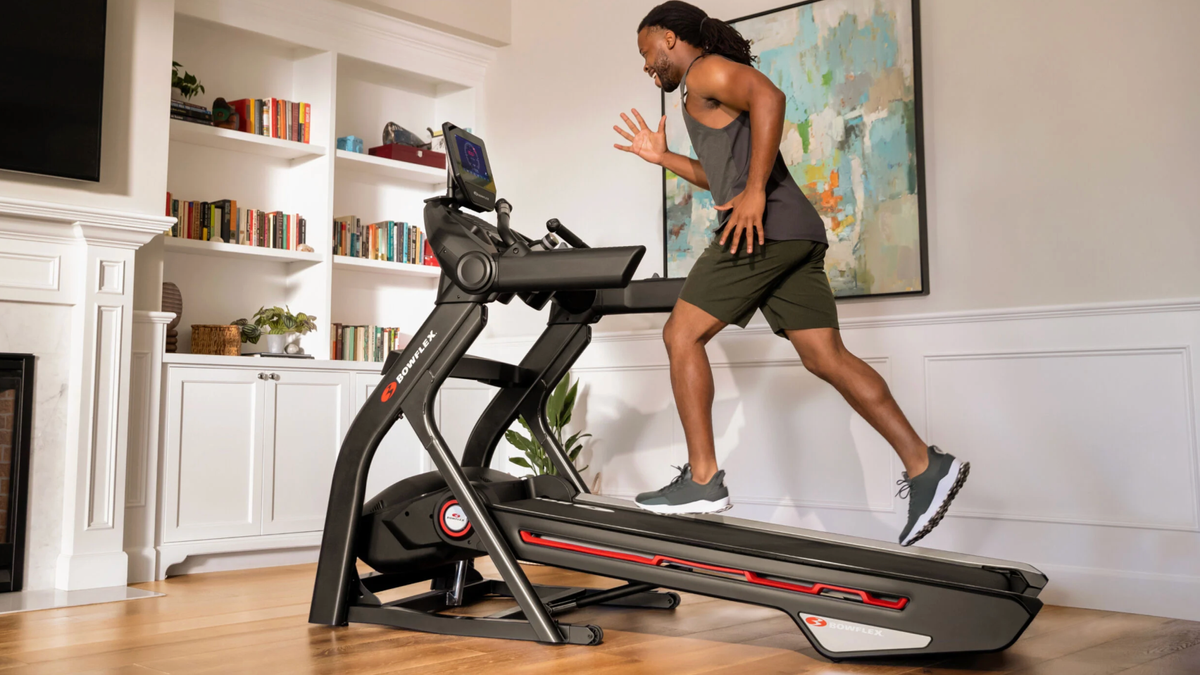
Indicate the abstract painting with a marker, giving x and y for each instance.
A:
(851, 139)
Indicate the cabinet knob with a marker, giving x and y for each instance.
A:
(262, 376)
(275, 376)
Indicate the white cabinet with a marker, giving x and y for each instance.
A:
(212, 466)
(308, 413)
(400, 454)
(250, 451)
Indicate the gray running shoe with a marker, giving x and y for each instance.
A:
(930, 493)
(684, 495)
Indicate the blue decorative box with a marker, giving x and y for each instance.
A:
(350, 144)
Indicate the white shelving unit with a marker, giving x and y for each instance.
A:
(360, 71)
(219, 249)
(390, 168)
(240, 141)
(343, 262)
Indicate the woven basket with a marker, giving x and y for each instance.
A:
(218, 340)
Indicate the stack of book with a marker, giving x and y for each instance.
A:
(365, 343)
(190, 112)
(388, 240)
(224, 221)
(274, 117)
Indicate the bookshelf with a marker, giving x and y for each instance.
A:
(390, 168)
(371, 70)
(239, 141)
(347, 263)
(220, 249)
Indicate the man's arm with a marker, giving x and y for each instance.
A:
(686, 168)
(651, 146)
(743, 87)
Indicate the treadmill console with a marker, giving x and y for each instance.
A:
(472, 184)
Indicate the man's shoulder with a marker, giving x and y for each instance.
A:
(711, 72)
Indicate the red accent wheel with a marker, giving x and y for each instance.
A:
(453, 520)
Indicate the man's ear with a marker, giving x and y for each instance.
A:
(669, 38)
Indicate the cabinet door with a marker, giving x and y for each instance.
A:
(400, 454)
(213, 454)
(307, 417)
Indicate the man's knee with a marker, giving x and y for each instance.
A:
(678, 335)
(823, 365)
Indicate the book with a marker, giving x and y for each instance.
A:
(225, 221)
(365, 343)
(186, 105)
(185, 118)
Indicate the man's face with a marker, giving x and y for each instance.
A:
(655, 45)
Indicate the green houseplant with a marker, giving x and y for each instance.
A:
(277, 323)
(559, 408)
(186, 84)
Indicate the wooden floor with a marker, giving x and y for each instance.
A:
(255, 622)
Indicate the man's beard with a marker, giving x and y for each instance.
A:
(662, 69)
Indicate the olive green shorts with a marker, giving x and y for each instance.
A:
(785, 279)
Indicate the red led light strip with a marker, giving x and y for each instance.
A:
(660, 560)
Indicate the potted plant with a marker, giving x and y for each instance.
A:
(186, 84)
(278, 323)
(559, 408)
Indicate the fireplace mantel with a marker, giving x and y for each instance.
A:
(80, 260)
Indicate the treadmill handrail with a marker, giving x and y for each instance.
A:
(1034, 577)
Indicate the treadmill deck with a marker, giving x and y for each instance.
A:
(787, 544)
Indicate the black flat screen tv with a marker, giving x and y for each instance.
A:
(51, 84)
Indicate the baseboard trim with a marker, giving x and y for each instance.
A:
(1172, 595)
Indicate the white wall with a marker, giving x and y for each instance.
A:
(1059, 145)
(1055, 351)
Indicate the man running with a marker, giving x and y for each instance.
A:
(768, 254)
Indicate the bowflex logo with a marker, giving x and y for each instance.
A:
(420, 350)
(850, 627)
(387, 393)
(815, 621)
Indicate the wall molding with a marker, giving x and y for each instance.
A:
(98, 227)
(899, 320)
(1183, 351)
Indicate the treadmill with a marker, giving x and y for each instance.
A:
(850, 597)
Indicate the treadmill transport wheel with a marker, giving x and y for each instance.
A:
(597, 634)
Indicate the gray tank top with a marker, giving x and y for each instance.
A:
(725, 155)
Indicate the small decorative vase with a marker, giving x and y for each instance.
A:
(172, 301)
(177, 95)
(276, 342)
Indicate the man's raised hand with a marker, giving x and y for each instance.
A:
(644, 142)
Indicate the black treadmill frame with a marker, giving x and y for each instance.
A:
(410, 383)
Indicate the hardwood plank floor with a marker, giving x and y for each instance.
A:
(255, 621)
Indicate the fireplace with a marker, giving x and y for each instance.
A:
(16, 427)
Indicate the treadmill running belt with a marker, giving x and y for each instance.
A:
(762, 544)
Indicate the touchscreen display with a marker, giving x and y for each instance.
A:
(474, 168)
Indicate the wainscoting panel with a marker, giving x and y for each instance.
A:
(1080, 424)
(1084, 437)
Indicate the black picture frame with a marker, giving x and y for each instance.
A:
(919, 121)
